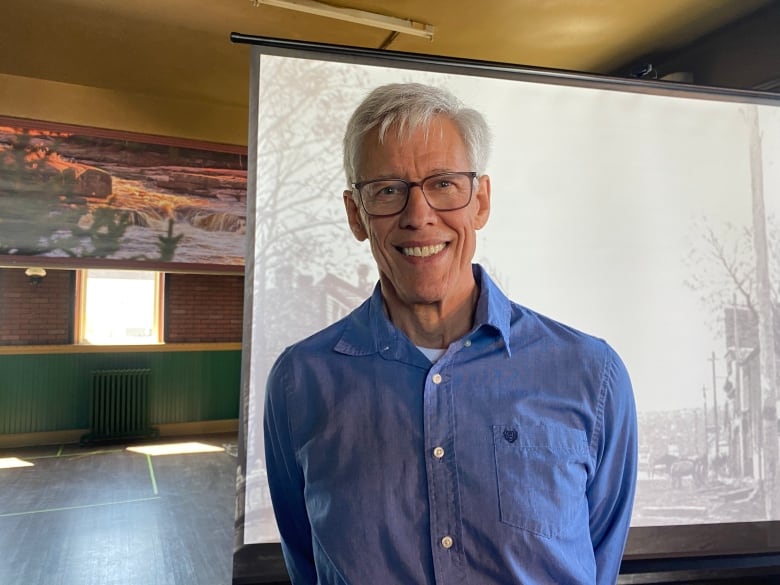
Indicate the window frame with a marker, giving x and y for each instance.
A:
(80, 317)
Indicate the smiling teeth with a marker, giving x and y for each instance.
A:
(423, 251)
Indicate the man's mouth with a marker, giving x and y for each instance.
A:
(423, 251)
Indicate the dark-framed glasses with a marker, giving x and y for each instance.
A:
(443, 192)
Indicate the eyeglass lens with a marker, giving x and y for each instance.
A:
(443, 192)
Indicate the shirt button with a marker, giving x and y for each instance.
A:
(438, 452)
(446, 542)
(467, 343)
(436, 378)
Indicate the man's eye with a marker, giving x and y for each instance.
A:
(387, 191)
(441, 186)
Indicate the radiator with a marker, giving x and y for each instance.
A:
(119, 407)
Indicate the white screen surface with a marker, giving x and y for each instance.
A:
(627, 215)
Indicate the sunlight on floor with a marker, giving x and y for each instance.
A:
(9, 462)
(175, 449)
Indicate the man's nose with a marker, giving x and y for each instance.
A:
(417, 210)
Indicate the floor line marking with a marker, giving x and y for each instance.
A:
(74, 454)
(66, 508)
(151, 473)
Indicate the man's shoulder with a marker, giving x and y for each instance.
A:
(530, 325)
(570, 349)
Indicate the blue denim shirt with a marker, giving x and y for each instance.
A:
(512, 459)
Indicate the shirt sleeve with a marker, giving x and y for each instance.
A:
(285, 479)
(611, 490)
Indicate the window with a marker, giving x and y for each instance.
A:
(119, 307)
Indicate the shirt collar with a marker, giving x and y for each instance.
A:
(368, 330)
(494, 309)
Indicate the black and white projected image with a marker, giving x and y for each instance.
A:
(652, 221)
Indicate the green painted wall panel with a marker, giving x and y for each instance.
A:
(51, 392)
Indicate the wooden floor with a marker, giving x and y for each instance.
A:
(107, 516)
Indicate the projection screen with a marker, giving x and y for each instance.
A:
(646, 213)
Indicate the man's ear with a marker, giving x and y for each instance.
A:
(353, 216)
(483, 202)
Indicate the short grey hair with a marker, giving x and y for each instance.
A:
(407, 107)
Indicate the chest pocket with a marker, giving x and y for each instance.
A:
(542, 472)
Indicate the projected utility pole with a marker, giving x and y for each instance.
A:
(766, 333)
(715, 407)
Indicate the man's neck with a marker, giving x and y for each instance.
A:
(433, 325)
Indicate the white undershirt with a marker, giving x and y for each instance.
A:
(432, 353)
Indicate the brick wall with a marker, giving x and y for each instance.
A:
(198, 308)
(203, 308)
(40, 314)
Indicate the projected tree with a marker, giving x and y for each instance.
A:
(301, 230)
(723, 266)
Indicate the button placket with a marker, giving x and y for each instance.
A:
(442, 479)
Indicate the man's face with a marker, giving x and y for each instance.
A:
(423, 255)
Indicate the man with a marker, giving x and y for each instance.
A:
(441, 433)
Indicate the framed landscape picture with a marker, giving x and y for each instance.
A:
(75, 196)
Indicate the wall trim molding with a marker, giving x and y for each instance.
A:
(84, 348)
(70, 436)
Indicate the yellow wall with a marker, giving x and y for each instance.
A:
(52, 101)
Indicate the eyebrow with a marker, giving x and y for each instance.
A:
(388, 176)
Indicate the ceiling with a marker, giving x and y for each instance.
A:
(181, 48)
